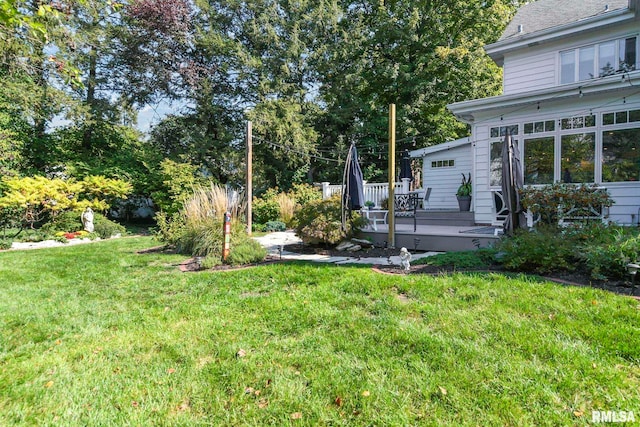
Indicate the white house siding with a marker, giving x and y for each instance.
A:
(625, 194)
(537, 67)
(444, 181)
(529, 72)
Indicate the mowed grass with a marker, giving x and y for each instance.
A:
(99, 335)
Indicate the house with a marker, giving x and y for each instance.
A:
(571, 99)
(442, 169)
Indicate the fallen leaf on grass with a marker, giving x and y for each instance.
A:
(443, 390)
(184, 406)
(594, 302)
(578, 413)
(366, 393)
(296, 415)
(249, 390)
(263, 403)
(135, 404)
(241, 353)
(48, 384)
(338, 401)
(171, 370)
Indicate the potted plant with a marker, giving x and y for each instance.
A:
(369, 204)
(464, 193)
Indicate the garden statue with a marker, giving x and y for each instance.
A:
(87, 219)
(405, 258)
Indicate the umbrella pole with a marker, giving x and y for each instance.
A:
(392, 176)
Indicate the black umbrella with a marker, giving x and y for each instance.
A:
(405, 166)
(512, 181)
(352, 184)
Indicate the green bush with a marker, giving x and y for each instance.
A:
(542, 250)
(105, 228)
(68, 221)
(609, 260)
(305, 193)
(479, 258)
(261, 228)
(275, 226)
(321, 222)
(246, 251)
(266, 208)
(546, 200)
(5, 244)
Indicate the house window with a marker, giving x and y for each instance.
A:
(538, 127)
(538, 160)
(495, 155)
(598, 60)
(621, 117)
(621, 155)
(443, 163)
(578, 157)
(578, 122)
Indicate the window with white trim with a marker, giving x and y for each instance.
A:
(599, 60)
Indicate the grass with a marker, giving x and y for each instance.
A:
(99, 335)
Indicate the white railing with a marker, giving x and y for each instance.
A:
(375, 192)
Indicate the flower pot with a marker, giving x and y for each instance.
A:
(464, 202)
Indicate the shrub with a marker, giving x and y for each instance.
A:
(321, 222)
(106, 228)
(609, 260)
(546, 200)
(66, 221)
(5, 244)
(305, 193)
(266, 208)
(258, 227)
(275, 226)
(542, 250)
(245, 251)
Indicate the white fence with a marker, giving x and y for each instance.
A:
(375, 192)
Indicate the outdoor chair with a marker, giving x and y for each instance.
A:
(405, 206)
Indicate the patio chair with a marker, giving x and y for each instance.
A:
(405, 206)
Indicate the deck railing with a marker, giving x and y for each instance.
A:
(373, 191)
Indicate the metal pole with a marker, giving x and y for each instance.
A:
(392, 176)
(249, 178)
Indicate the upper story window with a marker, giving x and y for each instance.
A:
(598, 60)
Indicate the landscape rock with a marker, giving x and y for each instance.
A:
(354, 248)
(362, 242)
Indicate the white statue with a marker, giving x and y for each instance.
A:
(87, 219)
(405, 259)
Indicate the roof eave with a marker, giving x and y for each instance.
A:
(497, 50)
(466, 111)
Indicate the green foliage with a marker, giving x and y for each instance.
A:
(245, 250)
(275, 226)
(465, 188)
(321, 222)
(5, 244)
(266, 207)
(105, 228)
(546, 200)
(305, 193)
(67, 221)
(178, 181)
(609, 259)
(542, 250)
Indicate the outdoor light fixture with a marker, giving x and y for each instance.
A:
(633, 269)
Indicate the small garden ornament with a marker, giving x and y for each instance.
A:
(87, 219)
(405, 259)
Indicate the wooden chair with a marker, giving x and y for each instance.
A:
(405, 206)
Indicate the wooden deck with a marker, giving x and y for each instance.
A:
(436, 231)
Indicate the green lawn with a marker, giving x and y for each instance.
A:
(99, 335)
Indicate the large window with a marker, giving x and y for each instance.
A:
(621, 155)
(495, 154)
(598, 60)
(538, 160)
(578, 157)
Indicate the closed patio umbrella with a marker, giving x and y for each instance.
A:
(405, 166)
(352, 184)
(512, 181)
